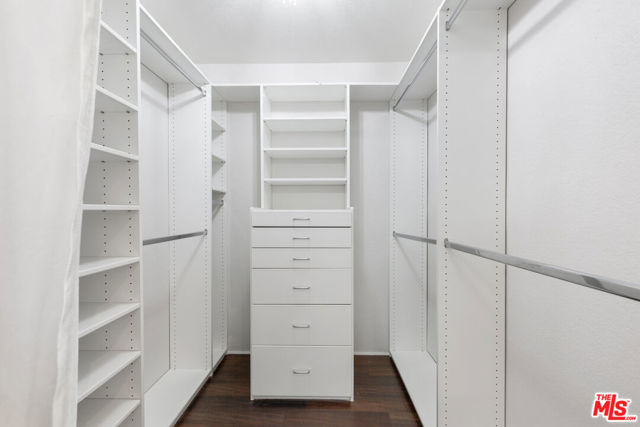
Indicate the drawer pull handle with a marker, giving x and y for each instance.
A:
(302, 219)
(301, 325)
(301, 238)
(301, 259)
(301, 288)
(302, 371)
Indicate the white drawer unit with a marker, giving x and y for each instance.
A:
(301, 305)
(301, 286)
(302, 372)
(301, 324)
(301, 237)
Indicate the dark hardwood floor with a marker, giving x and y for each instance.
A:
(380, 400)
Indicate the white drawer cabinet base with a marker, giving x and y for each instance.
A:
(302, 372)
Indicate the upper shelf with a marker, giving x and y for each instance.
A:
(153, 60)
(307, 124)
(111, 43)
(109, 102)
(306, 93)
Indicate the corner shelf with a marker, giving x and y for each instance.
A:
(105, 412)
(219, 192)
(216, 127)
(94, 315)
(217, 159)
(102, 153)
(112, 43)
(109, 102)
(96, 264)
(306, 181)
(307, 124)
(97, 367)
(299, 153)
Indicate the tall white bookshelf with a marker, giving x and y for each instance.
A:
(305, 146)
(109, 321)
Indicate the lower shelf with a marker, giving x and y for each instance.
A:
(105, 412)
(419, 374)
(97, 367)
(168, 398)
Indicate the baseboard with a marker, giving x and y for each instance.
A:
(371, 353)
(238, 352)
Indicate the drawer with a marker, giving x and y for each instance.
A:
(300, 258)
(301, 286)
(302, 372)
(298, 237)
(275, 218)
(301, 324)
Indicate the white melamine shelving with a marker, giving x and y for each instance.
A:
(112, 43)
(109, 102)
(102, 153)
(218, 158)
(97, 367)
(96, 264)
(105, 412)
(419, 374)
(216, 127)
(306, 181)
(301, 153)
(307, 124)
(94, 315)
(169, 397)
(105, 207)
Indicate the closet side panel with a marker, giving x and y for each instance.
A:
(432, 225)
(573, 200)
(190, 201)
(408, 271)
(154, 205)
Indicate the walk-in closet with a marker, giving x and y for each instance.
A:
(320, 213)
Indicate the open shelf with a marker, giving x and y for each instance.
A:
(97, 367)
(419, 374)
(216, 127)
(298, 153)
(101, 153)
(109, 102)
(216, 158)
(96, 264)
(111, 43)
(169, 397)
(94, 315)
(305, 93)
(306, 181)
(105, 412)
(307, 124)
(218, 191)
(98, 207)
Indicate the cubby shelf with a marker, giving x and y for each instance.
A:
(102, 153)
(111, 43)
(217, 158)
(216, 127)
(306, 181)
(96, 264)
(105, 412)
(307, 124)
(108, 102)
(298, 153)
(105, 207)
(218, 191)
(94, 315)
(97, 367)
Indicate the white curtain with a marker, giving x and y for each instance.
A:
(48, 68)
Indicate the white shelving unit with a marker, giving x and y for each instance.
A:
(109, 328)
(305, 146)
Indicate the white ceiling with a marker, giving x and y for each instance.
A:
(286, 31)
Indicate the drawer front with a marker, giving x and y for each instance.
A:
(270, 218)
(301, 286)
(301, 324)
(300, 258)
(305, 372)
(301, 237)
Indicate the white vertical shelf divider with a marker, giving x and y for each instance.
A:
(110, 284)
(441, 109)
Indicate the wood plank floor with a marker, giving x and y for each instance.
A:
(380, 400)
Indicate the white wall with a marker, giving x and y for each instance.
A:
(574, 201)
(370, 196)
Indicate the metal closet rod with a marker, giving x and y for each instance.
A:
(174, 237)
(455, 14)
(432, 50)
(416, 238)
(166, 56)
(604, 284)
